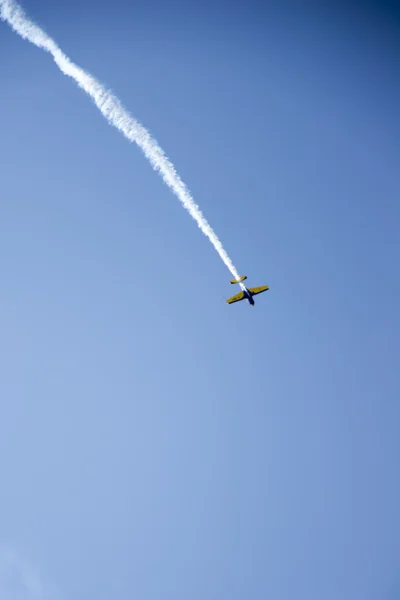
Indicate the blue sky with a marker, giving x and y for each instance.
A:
(154, 441)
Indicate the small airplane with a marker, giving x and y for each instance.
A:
(246, 293)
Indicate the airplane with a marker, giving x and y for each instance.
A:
(246, 293)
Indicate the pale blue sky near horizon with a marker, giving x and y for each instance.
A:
(154, 441)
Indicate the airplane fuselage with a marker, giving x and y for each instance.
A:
(249, 295)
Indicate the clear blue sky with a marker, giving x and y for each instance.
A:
(154, 441)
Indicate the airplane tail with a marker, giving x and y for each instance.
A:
(239, 280)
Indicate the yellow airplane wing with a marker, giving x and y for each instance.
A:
(259, 290)
(236, 298)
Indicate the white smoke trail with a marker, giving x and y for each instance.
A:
(20, 580)
(116, 115)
